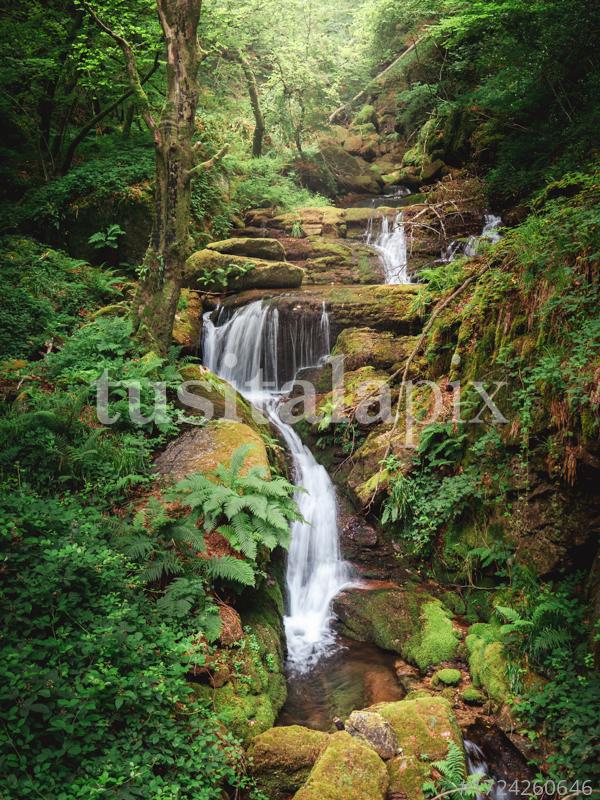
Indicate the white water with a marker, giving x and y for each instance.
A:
(390, 243)
(255, 352)
(490, 233)
(477, 765)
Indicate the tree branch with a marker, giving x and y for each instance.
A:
(205, 166)
(66, 164)
(134, 77)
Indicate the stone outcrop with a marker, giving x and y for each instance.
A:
(263, 248)
(404, 620)
(375, 731)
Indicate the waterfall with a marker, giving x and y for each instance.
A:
(390, 243)
(477, 765)
(258, 349)
(490, 233)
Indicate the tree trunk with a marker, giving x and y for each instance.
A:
(156, 301)
(259, 120)
(170, 245)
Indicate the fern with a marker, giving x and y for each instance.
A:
(232, 569)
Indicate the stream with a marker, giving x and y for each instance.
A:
(260, 351)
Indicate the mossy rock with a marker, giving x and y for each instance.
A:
(262, 248)
(365, 346)
(208, 391)
(259, 274)
(202, 450)
(472, 696)
(281, 759)
(405, 621)
(487, 661)
(366, 115)
(425, 726)
(449, 677)
(350, 172)
(346, 769)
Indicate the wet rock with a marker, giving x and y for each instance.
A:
(365, 346)
(406, 621)
(281, 758)
(346, 769)
(350, 172)
(432, 171)
(263, 248)
(374, 730)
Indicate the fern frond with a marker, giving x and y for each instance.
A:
(229, 568)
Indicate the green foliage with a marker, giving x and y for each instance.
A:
(219, 278)
(454, 780)
(107, 238)
(93, 686)
(44, 295)
(262, 182)
(546, 627)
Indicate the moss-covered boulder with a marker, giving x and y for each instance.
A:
(351, 173)
(472, 696)
(347, 769)
(406, 621)
(281, 759)
(375, 731)
(424, 726)
(254, 273)
(263, 248)
(367, 347)
(446, 677)
(487, 661)
(203, 449)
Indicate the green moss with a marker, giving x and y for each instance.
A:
(346, 769)
(487, 661)
(424, 726)
(435, 640)
(281, 759)
(472, 696)
(449, 677)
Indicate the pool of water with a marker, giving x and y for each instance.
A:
(355, 675)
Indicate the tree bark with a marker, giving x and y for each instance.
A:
(170, 244)
(259, 120)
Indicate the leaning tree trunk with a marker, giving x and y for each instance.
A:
(259, 120)
(176, 164)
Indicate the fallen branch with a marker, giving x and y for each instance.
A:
(403, 371)
(339, 111)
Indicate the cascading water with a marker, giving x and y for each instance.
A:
(477, 765)
(390, 243)
(490, 233)
(245, 349)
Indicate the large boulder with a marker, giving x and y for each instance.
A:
(256, 273)
(263, 248)
(404, 620)
(424, 726)
(203, 449)
(352, 173)
(346, 770)
(375, 731)
(281, 759)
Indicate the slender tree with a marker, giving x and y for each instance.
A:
(178, 160)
